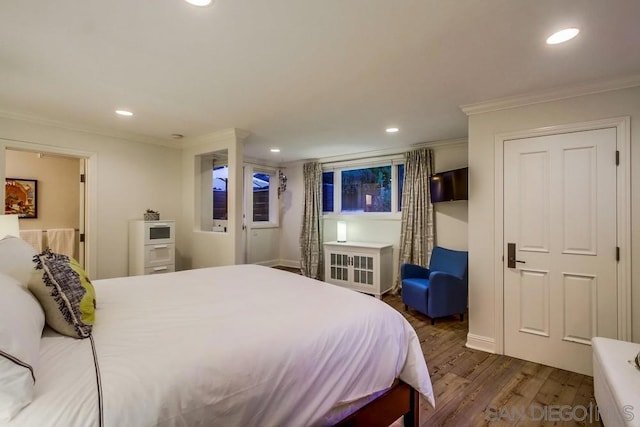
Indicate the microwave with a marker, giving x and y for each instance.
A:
(159, 232)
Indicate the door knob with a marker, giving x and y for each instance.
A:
(511, 256)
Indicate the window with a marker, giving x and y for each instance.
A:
(366, 190)
(327, 191)
(375, 188)
(220, 197)
(261, 197)
(212, 171)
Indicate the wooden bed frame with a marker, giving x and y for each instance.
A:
(400, 400)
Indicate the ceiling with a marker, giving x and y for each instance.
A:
(314, 78)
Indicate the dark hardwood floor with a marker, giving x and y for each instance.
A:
(474, 388)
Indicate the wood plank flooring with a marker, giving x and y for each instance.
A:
(474, 388)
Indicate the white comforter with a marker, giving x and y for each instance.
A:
(233, 346)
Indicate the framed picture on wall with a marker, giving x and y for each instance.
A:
(21, 197)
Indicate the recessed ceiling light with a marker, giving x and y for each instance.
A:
(562, 36)
(125, 113)
(199, 2)
(275, 150)
(392, 130)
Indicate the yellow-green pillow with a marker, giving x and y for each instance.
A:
(65, 293)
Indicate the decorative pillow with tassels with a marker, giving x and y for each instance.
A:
(65, 293)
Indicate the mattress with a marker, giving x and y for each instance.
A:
(235, 345)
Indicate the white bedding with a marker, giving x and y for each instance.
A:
(238, 345)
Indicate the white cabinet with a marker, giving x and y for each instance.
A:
(364, 267)
(151, 247)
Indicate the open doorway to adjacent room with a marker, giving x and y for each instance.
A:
(56, 199)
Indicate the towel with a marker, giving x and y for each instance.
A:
(33, 237)
(62, 240)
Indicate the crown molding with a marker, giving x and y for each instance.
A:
(449, 143)
(262, 162)
(87, 129)
(588, 88)
(224, 135)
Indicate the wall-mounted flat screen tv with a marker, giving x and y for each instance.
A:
(450, 185)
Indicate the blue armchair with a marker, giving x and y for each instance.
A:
(440, 290)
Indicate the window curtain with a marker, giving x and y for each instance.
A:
(417, 230)
(311, 262)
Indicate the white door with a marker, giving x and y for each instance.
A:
(560, 215)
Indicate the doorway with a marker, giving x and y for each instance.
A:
(260, 216)
(76, 200)
(563, 208)
(59, 198)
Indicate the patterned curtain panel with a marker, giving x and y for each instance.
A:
(311, 234)
(417, 231)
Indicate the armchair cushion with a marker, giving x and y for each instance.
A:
(415, 293)
(442, 289)
(449, 261)
(413, 271)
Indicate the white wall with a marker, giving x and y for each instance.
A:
(451, 217)
(131, 177)
(482, 129)
(291, 207)
(204, 248)
(263, 246)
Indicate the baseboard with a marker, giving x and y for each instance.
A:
(270, 263)
(478, 342)
(291, 263)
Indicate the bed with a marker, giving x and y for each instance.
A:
(236, 345)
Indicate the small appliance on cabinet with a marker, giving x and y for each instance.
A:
(364, 267)
(151, 247)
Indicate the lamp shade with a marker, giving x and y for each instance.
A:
(342, 231)
(9, 225)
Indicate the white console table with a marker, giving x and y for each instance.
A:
(364, 267)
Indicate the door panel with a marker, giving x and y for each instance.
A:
(533, 195)
(580, 201)
(579, 295)
(534, 300)
(560, 211)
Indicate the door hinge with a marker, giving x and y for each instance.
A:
(81, 237)
(618, 253)
(82, 177)
(617, 158)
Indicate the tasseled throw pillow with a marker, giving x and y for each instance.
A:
(65, 293)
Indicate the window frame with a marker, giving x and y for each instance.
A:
(338, 167)
(274, 212)
(218, 221)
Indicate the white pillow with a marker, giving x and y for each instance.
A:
(21, 323)
(16, 259)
